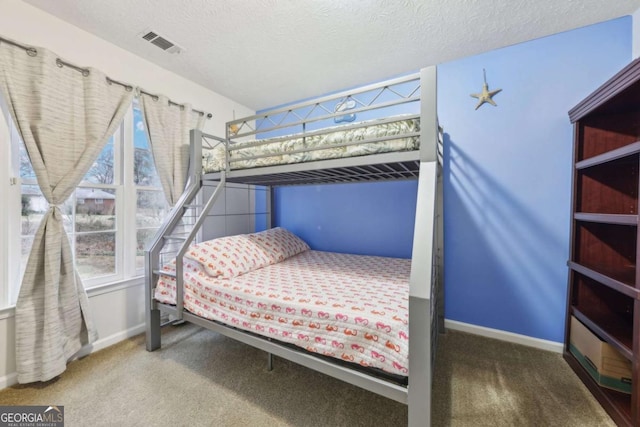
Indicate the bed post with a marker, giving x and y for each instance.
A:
(269, 207)
(269, 201)
(422, 272)
(440, 236)
(152, 314)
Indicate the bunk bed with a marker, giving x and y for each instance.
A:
(323, 143)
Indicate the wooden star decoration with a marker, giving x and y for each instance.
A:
(486, 95)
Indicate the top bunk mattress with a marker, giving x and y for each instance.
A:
(350, 307)
(371, 138)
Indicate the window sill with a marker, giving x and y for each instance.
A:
(7, 312)
(10, 311)
(115, 286)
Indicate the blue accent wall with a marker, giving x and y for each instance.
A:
(507, 183)
(368, 219)
(508, 175)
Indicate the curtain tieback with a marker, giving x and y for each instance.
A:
(56, 212)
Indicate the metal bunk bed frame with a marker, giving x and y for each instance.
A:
(426, 279)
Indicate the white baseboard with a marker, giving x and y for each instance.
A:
(556, 347)
(109, 341)
(11, 379)
(8, 380)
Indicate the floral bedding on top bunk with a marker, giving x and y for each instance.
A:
(280, 152)
(350, 307)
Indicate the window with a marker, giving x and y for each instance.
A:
(10, 195)
(110, 218)
(151, 205)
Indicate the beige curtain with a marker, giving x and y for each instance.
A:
(168, 127)
(65, 118)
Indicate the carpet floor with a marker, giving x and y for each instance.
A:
(199, 378)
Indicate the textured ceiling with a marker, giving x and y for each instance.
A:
(263, 53)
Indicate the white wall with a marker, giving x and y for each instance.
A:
(117, 310)
(235, 211)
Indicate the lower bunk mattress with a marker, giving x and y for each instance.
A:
(349, 307)
(397, 135)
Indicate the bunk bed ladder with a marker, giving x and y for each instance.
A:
(178, 242)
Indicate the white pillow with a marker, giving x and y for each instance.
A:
(279, 243)
(229, 256)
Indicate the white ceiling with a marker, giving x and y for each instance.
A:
(263, 53)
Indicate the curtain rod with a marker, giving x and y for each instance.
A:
(31, 51)
(156, 97)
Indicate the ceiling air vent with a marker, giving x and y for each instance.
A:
(164, 44)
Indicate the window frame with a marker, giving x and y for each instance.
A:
(7, 180)
(126, 191)
(10, 190)
(133, 188)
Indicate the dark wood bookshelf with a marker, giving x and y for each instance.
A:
(619, 153)
(607, 189)
(625, 287)
(604, 281)
(620, 219)
(607, 248)
(618, 404)
(612, 330)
